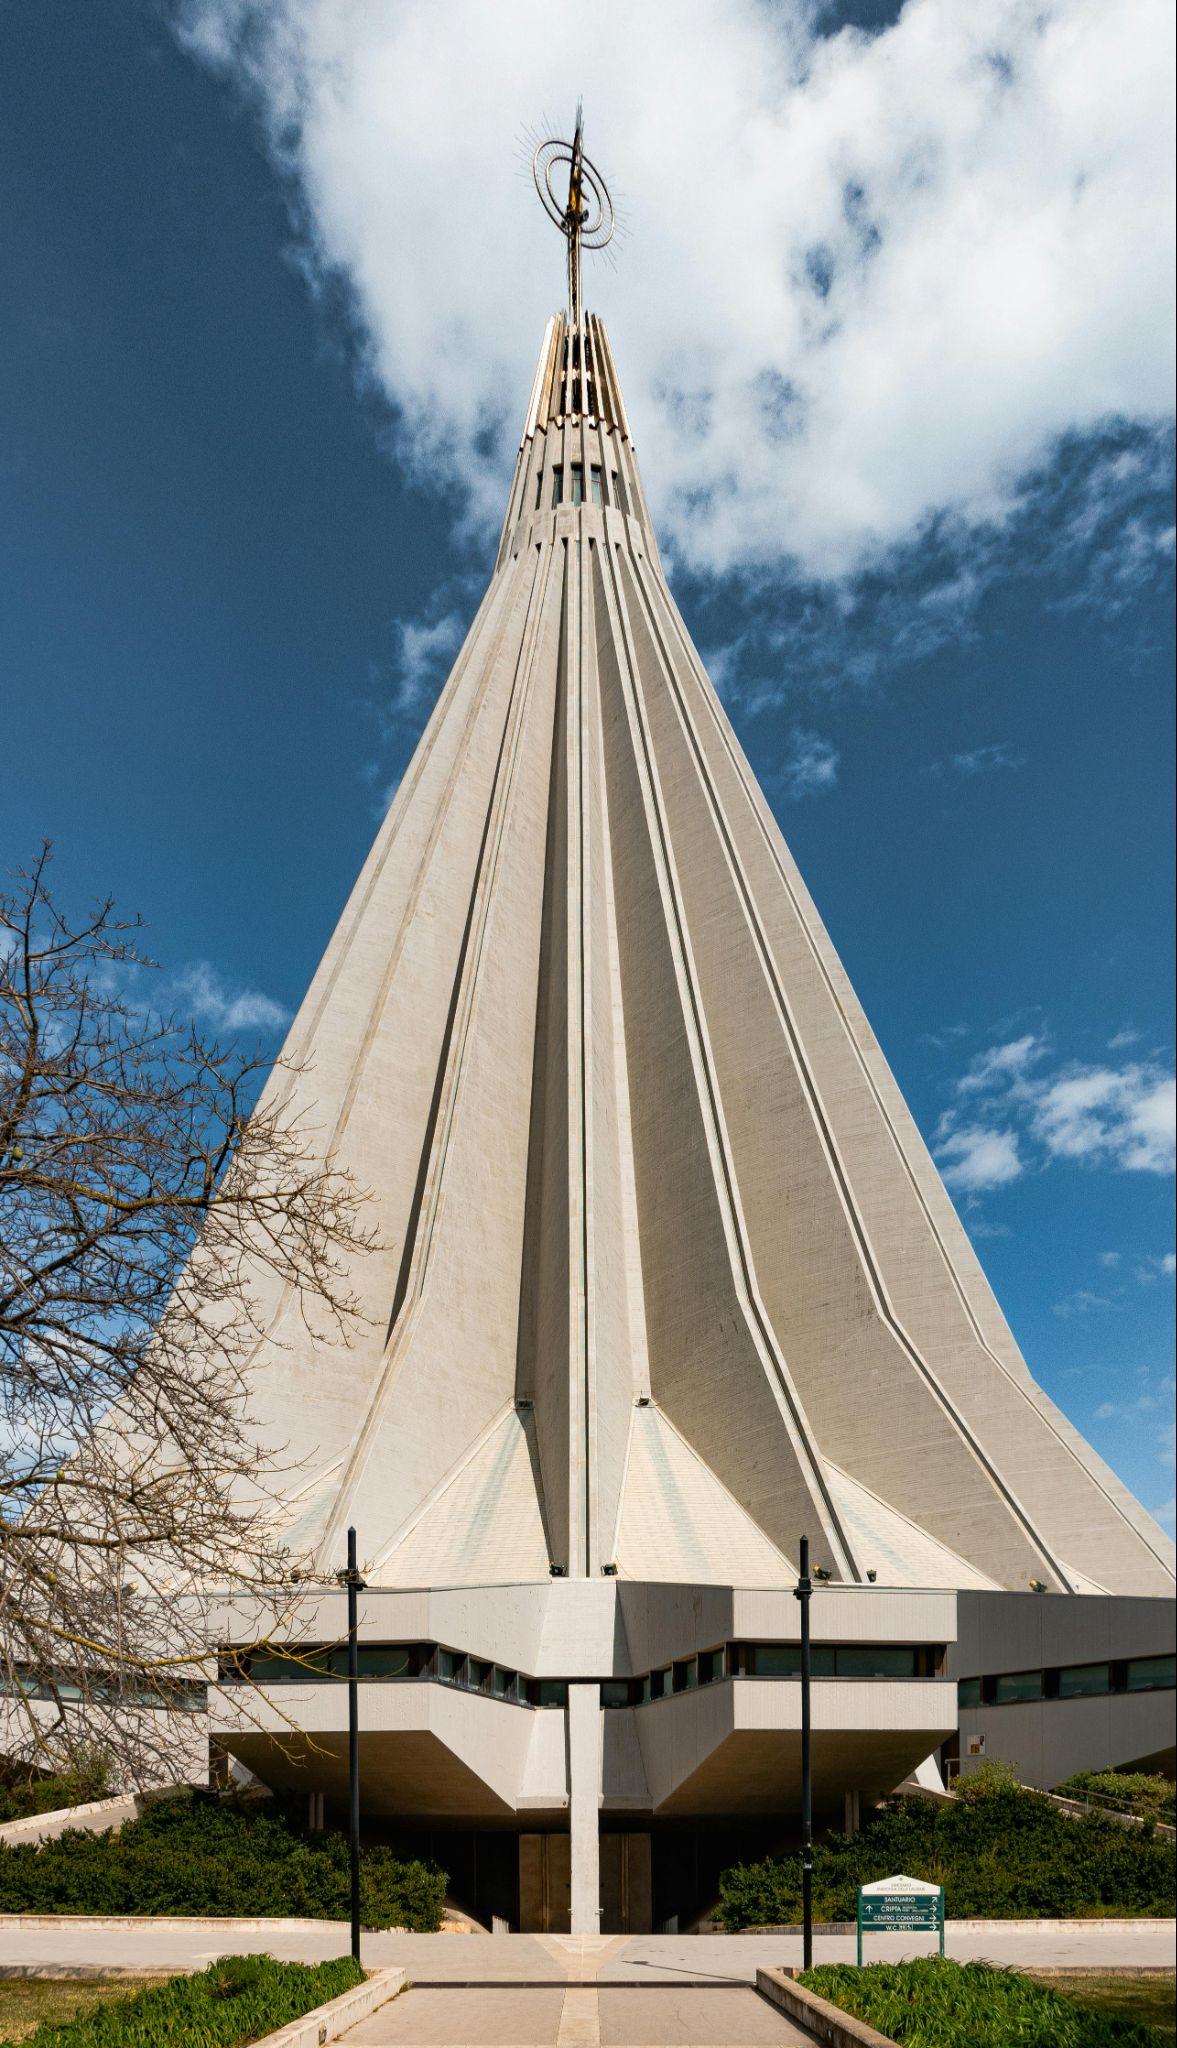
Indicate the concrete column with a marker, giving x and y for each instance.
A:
(584, 1790)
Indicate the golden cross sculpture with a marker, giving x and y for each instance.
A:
(585, 216)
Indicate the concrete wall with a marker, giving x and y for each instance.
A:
(1047, 1740)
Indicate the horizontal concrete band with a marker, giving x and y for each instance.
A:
(327, 2022)
(824, 2021)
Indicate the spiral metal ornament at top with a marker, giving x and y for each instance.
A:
(588, 209)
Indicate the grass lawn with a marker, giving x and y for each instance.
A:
(937, 2004)
(1147, 1999)
(25, 2003)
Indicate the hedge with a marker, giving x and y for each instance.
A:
(235, 2000)
(195, 1853)
(24, 1793)
(1145, 1793)
(939, 2004)
(1000, 1851)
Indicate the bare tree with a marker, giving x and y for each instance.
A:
(150, 1214)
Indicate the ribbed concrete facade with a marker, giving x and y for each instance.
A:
(670, 1276)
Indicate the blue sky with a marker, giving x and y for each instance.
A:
(260, 373)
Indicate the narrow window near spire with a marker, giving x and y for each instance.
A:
(539, 490)
(595, 491)
(577, 484)
(617, 492)
(557, 488)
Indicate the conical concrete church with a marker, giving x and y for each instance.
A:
(670, 1280)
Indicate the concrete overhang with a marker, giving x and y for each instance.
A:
(735, 1747)
(425, 1749)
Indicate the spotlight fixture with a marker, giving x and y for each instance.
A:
(1038, 1585)
(872, 1576)
(820, 1574)
(609, 1571)
(558, 1571)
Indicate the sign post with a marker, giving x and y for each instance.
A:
(899, 1905)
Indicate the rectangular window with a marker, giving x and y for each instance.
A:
(1145, 1673)
(449, 1666)
(686, 1675)
(968, 1692)
(1017, 1685)
(710, 1666)
(1077, 1681)
(552, 1692)
(304, 1669)
(479, 1674)
(539, 490)
(617, 490)
(595, 490)
(615, 1692)
(506, 1683)
(658, 1685)
(577, 484)
(557, 488)
(783, 1660)
(882, 1660)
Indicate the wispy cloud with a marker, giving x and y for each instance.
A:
(810, 767)
(978, 761)
(199, 991)
(1082, 1303)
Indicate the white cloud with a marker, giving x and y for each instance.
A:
(1128, 1117)
(974, 1158)
(1001, 1064)
(871, 280)
(810, 767)
(1101, 1116)
(201, 992)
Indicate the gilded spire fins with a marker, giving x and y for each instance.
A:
(584, 215)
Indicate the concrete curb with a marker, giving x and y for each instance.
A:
(93, 1817)
(182, 1920)
(92, 1973)
(1092, 1926)
(328, 2022)
(825, 2022)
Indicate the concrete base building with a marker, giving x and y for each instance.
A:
(670, 1280)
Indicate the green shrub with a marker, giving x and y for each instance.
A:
(939, 2004)
(23, 1793)
(1144, 1792)
(233, 2001)
(195, 1853)
(1001, 1853)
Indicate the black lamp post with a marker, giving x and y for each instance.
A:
(803, 1591)
(354, 1584)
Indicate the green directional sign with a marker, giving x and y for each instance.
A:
(900, 1905)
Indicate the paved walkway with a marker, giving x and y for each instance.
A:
(537, 1959)
(577, 2016)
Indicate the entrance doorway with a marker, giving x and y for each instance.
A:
(545, 1884)
(626, 1884)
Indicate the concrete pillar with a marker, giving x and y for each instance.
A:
(853, 1813)
(584, 1799)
